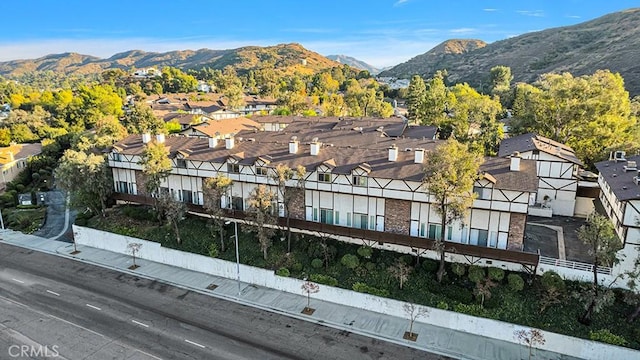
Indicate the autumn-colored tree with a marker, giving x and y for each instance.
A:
(260, 213)
(281, 176)
(213, 190)
(400, 271)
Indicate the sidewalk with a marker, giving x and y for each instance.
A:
(431, 338)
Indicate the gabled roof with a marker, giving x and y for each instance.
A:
(620, 181)
(222, 127)
(19, 151)
(530, 141)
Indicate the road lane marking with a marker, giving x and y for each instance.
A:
(53, 293)
(150, 355)
(195, 343)
(93, 307)
(139, 323)
(51, 316)
(18, 281)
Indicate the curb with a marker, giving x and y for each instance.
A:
(241, 301)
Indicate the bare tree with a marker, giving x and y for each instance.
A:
(414, 312)
(282, 175)
(213, 190)
(133, 248)
(309, 288)
(400, 271)
(172, 211)
(261, 214)
(531, 338)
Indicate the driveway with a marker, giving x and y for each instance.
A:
(56, 218)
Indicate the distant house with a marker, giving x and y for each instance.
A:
(185, 120)
(203, 86)
(220, 129)
(557, 168)
(256, 105)
(13, 159)
(146, 73)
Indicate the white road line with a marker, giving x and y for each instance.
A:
(139, 323)
(18, 281)
(53, 293)
(150, 355)
(93, 307)
(194, 343)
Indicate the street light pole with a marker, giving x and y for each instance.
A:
(1, 220)
(235, 227)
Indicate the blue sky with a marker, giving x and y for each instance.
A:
(380, 32)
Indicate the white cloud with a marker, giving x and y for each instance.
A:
(400, 2)
(573, 16)
(463, 31)
(534, 13)
(489, 9)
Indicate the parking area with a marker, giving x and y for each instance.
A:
(542, 234)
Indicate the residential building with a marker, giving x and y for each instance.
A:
(361, 173)
(14, 158)
(557, 168)
(221, 129)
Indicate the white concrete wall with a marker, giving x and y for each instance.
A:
(491, 328)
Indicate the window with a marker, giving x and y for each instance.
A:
(187, 196)
(372, 222)
(237, 203)
(261, 170)
(422, 229)
(122, 187)
(359, 180)
(326, 216)
(181, 163)
(315, 214)
(483, 193)
(360, 221)
(348, 219)
(324, 177)
(483, 236)
(435, 231)
(233, 168)
(493, 239)
(117, 157)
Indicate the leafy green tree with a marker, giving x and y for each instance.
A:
(213, 190)
(261, 214)
(438, 101)
(500, 79)
(156, 165)
(599, 235)
(416, 99)
(176, 81)
(5, 137)
(334, 105)
(450, 172)
(86, 178)
(140, 119)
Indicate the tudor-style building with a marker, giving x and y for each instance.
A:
(557, 168)
(361, 173)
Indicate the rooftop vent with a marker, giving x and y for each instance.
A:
(393, 153)
(229, 143)
(631, 166)
(293, 145)
(146, 137)
(515, 162)
(419, 156)
(213, 142)
(160, 138)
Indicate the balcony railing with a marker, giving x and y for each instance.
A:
(574, 265)
(529, 259)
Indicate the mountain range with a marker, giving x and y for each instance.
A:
(609, 42)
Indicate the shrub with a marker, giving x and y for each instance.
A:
(605, 336)
(283, 272)
(470, 309)
(297, 266)
(551, 280)
(457, 293)
(515, 282)
(458, 269)
(138, 213)
(365, 252)
(364, 288)
(442, 305)
(323, 279)
(213, 250)
(316, 263)
(350, 261)
(476, 273)
(496, 274)
(429, 265)
(370, 266)
(407, 259)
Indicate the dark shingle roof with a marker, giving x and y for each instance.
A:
(620, 181)
(530, 141)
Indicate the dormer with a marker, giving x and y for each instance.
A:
(324, 171)
(261, 164)
(233, 163)
(181, 159)
(360, 175)
(116, 153)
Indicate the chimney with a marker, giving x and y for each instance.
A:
(515, 161)
(146, 137)
(419, 156)
(160, 138)
(213, 142)
(393, 153)
(11, 156)
(293, 146)
(315, 147)
(229, 142)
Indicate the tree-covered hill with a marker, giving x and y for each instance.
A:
(609, 42)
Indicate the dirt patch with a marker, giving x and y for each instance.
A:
(308, 311)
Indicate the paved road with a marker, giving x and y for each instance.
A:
(56, 218)
(91, 312)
